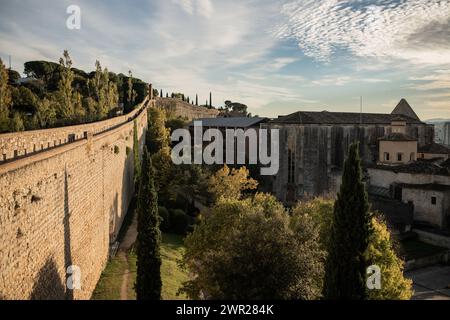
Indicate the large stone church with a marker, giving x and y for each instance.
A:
(313, 146)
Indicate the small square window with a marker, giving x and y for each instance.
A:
(433, 200)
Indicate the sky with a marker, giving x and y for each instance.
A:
(277, 57)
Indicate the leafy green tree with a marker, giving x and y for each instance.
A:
(157, 136)
(17, 123)
(46, 113)
(5, 98)
(48, 72)
(104, 91)
(321, 212)
(65, 89)
(148, 277)
(380, 252)
(231, 183)
(13, 76)
(23, 99)
(191, 185)
(346, 265)
(173, 124)
(248, 249)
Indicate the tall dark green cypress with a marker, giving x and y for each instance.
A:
(148, 277)
(345, 270)
(137, 163)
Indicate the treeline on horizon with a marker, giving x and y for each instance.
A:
(57, 94)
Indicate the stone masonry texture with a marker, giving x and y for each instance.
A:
(64, 206)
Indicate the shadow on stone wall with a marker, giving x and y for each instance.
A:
(67, 244)
(48, 285)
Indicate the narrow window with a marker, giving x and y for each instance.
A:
(399, 156)
(433, 200)
(291, 166)
(386, 156)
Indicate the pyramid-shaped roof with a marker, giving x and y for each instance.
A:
(403, 108)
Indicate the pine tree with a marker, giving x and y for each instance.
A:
(65, 87)
(131, 94)
(148, 277)
(351, 228)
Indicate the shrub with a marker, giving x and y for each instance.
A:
(116, 150)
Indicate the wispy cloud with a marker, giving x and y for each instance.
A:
(387, 29)
(275, 56)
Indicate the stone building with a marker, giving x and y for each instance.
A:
(447, 134)
(397, 147)
(313, 146)
(422, 185)
(248, 128)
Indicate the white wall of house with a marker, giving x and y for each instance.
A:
(424, 209)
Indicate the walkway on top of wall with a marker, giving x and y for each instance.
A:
(20, 145)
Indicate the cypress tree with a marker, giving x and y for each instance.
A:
(148, 277)
(161, 94)
(345, 269)
(210, 99)
(196, 99)
(137, 164)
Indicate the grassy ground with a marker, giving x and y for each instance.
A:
(414, 249)
(108, 287)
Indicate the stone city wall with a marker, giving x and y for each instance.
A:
(64, 206)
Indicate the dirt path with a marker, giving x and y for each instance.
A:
(128, 241)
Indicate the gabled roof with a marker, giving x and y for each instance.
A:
(403, 108)
(235, 122)
(326, 117)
